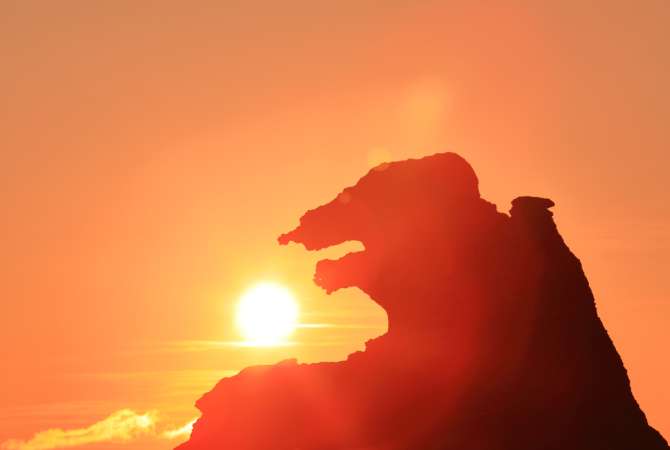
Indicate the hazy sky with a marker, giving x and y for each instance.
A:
(151, 153)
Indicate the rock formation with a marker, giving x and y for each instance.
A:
(494, 342)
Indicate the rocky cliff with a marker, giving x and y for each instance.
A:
(494, 342)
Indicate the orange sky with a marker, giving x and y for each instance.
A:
(151, 153)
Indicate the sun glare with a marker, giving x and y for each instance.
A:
(267, 314)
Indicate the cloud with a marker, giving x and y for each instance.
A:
(184, 431)
(123, 425)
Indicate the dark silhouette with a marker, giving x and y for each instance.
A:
(493, 342)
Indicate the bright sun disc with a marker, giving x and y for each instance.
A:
(267, 314)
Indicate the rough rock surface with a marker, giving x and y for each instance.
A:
(494, 341)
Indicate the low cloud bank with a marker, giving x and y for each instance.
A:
(121, 426)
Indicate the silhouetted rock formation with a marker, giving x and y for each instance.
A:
(493, 343)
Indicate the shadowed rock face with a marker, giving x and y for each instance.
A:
(493, 341)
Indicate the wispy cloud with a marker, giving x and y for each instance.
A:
(184, 431)
(351, 326)
(123, 425)
(208, 345)
(201, 346)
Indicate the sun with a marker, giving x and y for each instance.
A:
(267, 314)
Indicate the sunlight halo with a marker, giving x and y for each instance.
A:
(267, 314)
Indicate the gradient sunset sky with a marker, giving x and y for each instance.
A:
(151, 153)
